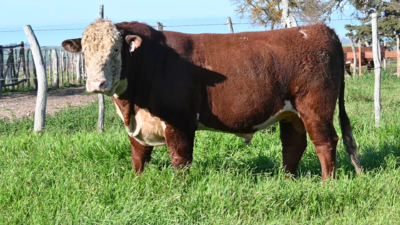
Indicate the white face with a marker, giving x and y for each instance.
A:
(102, 44)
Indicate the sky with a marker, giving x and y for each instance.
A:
(77, 14)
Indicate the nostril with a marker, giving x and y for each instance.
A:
(97, 85)
(103, 84)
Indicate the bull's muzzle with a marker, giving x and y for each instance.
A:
(96, 86)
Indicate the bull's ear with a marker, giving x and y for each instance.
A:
(72, 45)
(134, 41)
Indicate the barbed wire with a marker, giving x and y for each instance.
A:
(185, 25)
(197, 25)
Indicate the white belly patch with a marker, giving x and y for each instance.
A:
(284, 113)
(146, 129)
(288, 108)
(150, 130)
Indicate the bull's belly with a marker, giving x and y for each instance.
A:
(286, 113)
(150, 130)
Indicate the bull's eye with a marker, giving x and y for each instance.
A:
(116, 50)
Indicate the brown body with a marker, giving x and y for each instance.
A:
(236, 83)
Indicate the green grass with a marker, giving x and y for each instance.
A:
(71, 174)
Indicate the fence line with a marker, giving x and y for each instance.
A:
(188, 25)
(18, 70)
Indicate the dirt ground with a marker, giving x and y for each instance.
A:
(19, 105)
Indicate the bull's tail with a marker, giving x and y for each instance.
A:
(347, 135)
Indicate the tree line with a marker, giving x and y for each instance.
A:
(268, 13)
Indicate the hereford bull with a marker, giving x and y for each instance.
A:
(166, 85)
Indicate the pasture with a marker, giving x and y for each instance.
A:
(71, 174)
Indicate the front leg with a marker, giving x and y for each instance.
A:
(180, 143)
(141, 155)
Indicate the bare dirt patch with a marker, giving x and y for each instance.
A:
(18, 105)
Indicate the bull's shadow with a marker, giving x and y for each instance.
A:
(375, 157)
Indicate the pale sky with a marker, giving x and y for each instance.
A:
(73, 14)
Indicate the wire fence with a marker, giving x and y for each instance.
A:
(184, 25)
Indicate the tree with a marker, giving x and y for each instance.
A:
(352, 35)
(388, 24)
(261, 12)
(269, 12)
(366, 7)
(359, 32)
(315, 11)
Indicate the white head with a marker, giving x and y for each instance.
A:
(102, 44)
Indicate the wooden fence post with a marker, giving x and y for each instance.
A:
(44, 60)
(1, 68)
(28, 72)
(16, 68)
(384, 59)
(22, 60)
(35, 81)
(82, 66)
(54, 58)
(160, 26)
(67, 65)
(73, 67)
(353, 49)
(10, 67)
(376, 50)
(229, 21)
(101, 14)
(62, 66)
(398, 54)
(359, 57)
(50, 66)
(41, 100)
(100, 121)
(78, 67)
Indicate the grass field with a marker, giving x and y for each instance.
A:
(73, 175)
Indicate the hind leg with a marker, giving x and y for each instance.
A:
(319, 125)
(294, 142)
